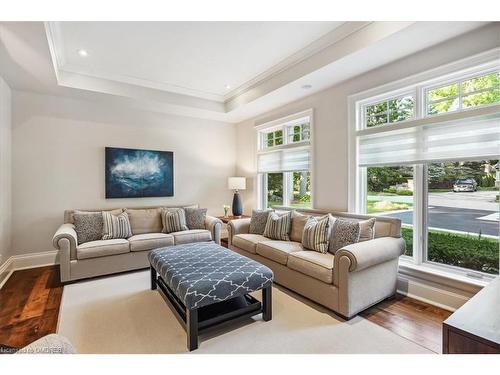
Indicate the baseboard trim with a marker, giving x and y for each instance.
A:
(26, 261)
(441, 296)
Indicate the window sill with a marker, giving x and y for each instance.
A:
(443, 277)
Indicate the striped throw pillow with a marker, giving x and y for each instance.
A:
(174, 220)
(278, 226)
(317, 234)
(115, 226)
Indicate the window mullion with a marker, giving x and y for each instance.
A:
(419, 217)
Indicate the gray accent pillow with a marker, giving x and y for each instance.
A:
(88, 226)
(195, 217)
(258, 221)
(343, 233)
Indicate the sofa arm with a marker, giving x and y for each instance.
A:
(65, 235)
(365, 254)
(214, 225)
(237, 226)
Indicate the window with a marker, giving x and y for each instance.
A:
(298, 133)
(390, 111)
(273, 138)
(473, 92)
(283, 162)
(390, 193)
(462, 215)
(435, 174)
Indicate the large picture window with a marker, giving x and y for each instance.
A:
(435, 173)
(284, 162)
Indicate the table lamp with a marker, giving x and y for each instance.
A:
(236, 184)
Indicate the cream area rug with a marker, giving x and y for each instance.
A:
(120, 314)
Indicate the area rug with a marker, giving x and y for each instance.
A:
(120, 314)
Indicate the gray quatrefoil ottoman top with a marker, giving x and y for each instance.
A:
(200, 274)
(207, 285)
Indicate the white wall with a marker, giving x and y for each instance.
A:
(330, 173)
(58, 160)
(5, 171)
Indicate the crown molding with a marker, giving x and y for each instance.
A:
(327, 40)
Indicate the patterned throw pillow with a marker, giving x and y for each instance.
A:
(316, 234)
(278, 226)
(258, 221)
(343, 233)
(174, 220)
(115, 226)
(366, 230)
(195, 217)
(88, 226)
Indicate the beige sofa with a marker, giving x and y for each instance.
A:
(96, 258)
(357, 277)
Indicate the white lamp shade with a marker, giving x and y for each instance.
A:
(236, 183)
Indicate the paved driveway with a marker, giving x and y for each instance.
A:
(460, 219)
(478, 200)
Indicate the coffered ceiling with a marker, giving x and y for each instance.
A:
(226, 71)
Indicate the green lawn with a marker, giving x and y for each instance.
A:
(298, 205)
(384, 206)
(460, 250)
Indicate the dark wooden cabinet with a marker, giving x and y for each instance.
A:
(475, 327)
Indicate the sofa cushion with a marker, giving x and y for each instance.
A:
(192, 235)
(115, 226)
(147, 220)
(195, 217)
(298, 222)
(258, 221)
(343, 233)
(88, 226)
(149, 241)
(102, 248)
(366, 230)
(248, 241)
(278, 250)
(278, 226)
(316, 234)
(312, 263)
(174, 220)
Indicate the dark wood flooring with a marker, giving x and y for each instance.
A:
(414, 320)
(29, 305)
(30, 300)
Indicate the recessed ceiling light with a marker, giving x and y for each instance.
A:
(306, 87)
(228, 87)
(83, 53)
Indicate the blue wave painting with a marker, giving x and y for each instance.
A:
(132, 173)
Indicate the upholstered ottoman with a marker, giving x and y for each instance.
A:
(206, 284)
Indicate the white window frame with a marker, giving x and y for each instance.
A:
(447, 82)
(283, 123)
(399, 95)
(462, 70)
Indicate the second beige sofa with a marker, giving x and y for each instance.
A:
(356, 277)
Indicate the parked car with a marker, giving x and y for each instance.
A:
(465, 184)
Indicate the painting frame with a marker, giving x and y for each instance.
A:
(138, 173)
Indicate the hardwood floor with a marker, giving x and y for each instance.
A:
(414, 320)
(29, 305)
(29, 308)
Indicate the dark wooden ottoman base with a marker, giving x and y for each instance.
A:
(198, 320)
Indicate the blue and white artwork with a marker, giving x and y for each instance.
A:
(132, 173)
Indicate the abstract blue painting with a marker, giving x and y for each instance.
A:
(132, 173)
